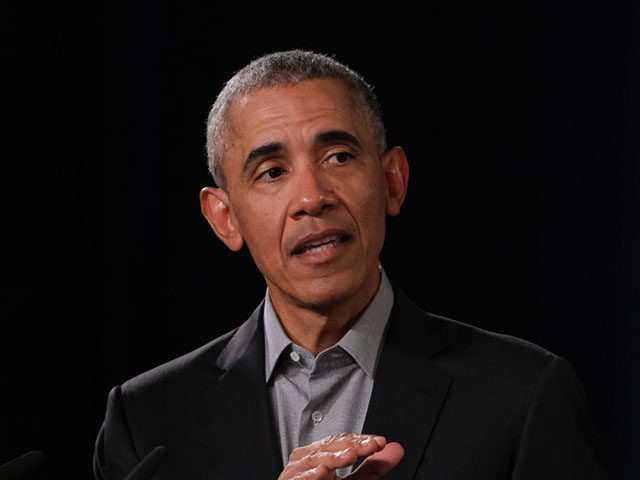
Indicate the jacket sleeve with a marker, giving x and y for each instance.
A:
(558, 439)
(114, 454)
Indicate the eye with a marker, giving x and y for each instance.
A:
(341, 157)
(271, 174)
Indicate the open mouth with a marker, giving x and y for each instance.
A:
(320, 244)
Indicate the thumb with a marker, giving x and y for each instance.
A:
(378, 464)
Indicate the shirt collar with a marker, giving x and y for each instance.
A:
(362, 341)
(275, 338)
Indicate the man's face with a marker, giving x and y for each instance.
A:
(307, 192)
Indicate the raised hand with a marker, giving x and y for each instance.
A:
(320, 460)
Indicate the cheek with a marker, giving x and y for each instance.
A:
(369, 212)
(260, 226)
(370, 197)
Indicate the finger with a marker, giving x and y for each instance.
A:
(378, 464)
(316, 463)
(360, 444)
(319, 473)
(332, 452)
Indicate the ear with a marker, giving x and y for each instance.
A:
(216, 208)
(396, 171)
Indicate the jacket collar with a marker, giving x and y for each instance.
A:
(245, 425)
(409, 390)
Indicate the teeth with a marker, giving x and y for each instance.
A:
(318, 248)
(329, 239)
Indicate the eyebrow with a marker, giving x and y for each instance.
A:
(261, 151)
(336, 136)
(322, 138)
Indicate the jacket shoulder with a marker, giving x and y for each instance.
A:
(416, 327)
(180, 369)
(461, 334)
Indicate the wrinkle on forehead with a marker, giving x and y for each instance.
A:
(323, 95)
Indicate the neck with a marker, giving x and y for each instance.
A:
(319, 327)
(316, 332)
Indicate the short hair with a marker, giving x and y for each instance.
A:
(285, 68)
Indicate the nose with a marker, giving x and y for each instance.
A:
(312, 192)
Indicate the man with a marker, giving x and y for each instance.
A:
(336, 372)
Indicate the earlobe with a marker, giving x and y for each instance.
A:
(397, 174)
(216, 208)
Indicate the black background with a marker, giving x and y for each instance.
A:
(520, 121)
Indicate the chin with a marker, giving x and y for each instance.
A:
(328, 292)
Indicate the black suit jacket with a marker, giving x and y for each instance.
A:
(465, 404)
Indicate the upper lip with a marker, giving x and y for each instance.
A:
(318, 237)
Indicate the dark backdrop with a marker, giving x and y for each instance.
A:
(520, 121)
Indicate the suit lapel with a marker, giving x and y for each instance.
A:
(409, 391)
(244, 418)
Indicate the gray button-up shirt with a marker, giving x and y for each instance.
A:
(313, 397)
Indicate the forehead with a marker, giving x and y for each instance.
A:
(275, 110)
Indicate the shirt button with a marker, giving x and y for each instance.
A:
(294, 356)
(317, 417)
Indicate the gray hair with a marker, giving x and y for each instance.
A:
(285, 68)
